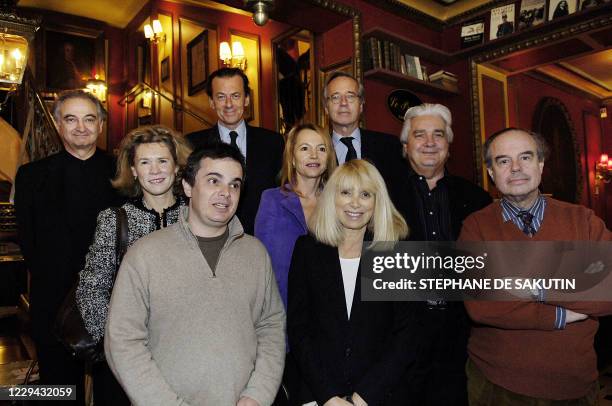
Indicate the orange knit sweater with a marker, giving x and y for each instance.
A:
(514, 343)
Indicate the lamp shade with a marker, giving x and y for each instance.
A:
(157, 27)
(237, 49)
(148, 31)
(225, 53)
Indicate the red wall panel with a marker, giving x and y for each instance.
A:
(529, 91)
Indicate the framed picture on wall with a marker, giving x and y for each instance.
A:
(324, 73)
(165, 69)
(197, 63)
(532, 13)
(502, 22)
(69, 57)
(561, 8)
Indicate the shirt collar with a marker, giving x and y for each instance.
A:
(224, 131)
(413, 174)
(356, 134)
(510, 212)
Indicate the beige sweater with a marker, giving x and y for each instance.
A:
(176, 335)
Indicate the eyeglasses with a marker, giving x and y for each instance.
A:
(336, 98)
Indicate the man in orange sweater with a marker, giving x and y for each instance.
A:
(531, 352)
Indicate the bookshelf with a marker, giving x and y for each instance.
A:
(398, 79)
(398, 46)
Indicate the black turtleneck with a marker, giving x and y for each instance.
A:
(87, 191)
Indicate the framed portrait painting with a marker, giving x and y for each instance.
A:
(165, 69)
(197, 63)
(69, 57)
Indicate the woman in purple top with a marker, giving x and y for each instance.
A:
(283, 214)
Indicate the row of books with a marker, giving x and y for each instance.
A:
(383, 54)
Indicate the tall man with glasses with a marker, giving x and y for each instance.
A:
(344, 101)
(229, 95)
(58, 199)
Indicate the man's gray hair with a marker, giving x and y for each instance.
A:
(427, 109)
(77, 94)
(340, 74)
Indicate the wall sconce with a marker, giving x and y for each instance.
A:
(234, 57)
(15, 35)
(147, 99)
(97, 87)
(154, 34)
(603, 112)
(603, 171)
(260, 8)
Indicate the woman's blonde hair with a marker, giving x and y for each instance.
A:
(386, 224)
(175, 142)
(288, 172)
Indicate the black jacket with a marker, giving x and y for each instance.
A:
(54, 235)
(371, 353)
(385, 152)
(263, 164)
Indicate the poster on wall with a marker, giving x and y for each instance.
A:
(561, 8)
(472, 33)
(532, 13)
(502, 21)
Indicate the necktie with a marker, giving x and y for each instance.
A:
(527, 219)
(233, 135)
(351, 153)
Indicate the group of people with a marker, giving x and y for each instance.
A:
(244, 262)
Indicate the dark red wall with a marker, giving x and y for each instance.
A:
(529, 91)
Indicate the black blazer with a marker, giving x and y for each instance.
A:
(370, 353)
(263, 164)
(385, 152)
(53, 242)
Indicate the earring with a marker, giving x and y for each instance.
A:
(135, 177)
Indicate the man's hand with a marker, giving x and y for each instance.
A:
(336, 401)
(246, 401)
(358, 400)
(572, 316)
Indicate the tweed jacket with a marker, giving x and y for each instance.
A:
(96, 279)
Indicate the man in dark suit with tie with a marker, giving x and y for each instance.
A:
(344, 101)
(229, 95)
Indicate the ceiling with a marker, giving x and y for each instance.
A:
(444, 9)
(117, 13)
(590, 73)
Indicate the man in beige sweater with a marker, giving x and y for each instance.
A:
(195, 316)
